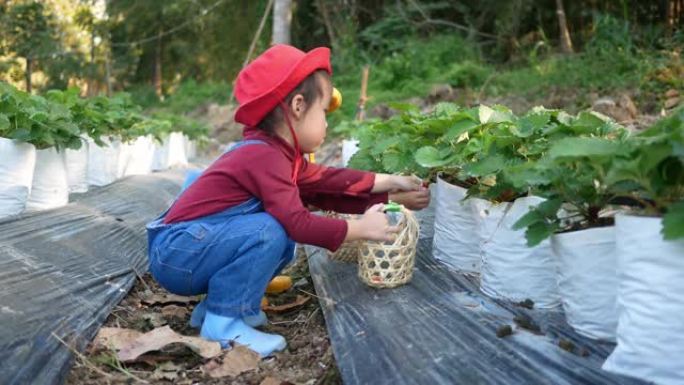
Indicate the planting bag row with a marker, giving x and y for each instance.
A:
(62, 271)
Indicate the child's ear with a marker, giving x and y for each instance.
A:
(297, 106)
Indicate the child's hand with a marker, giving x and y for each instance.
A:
(373, 226)
(407, 183)
(412, 200)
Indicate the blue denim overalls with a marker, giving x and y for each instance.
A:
(231, 255)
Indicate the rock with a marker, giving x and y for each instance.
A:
(441, 93)
(382, 111)
(671, 103)
(626, 102)
(623, 110)
(671, 93)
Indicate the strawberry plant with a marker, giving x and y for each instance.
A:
(36, 120)
(652, 173)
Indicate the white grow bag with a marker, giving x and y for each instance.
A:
(17, 162)
(190, 147)
(77, 168)
(349, 148)
(170, 153)
(650, 333)
(456, 240)
(426, 216)
(587, 280)
(124, 159)
(139, 156)
(103, 162)
(50, 188)
(510, 269)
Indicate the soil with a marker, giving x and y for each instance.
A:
(308, 358)
(527, 304)
(504, 331)
(526, 322)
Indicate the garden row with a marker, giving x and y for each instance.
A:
(559, 209)
(60, 143)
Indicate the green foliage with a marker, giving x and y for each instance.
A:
(467, 74)
(29, 30)
(36, 120)
(652, 170)
(62, 118)
(582, 161)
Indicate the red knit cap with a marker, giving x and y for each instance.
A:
(266, 81)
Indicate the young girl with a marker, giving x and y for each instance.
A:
(235, 227)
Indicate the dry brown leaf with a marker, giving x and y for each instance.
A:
(299, 301)
(155, 359)
(159, 338)
(166, 371)
(174, 311)
(163, 299)
(114, 338)
(238, 360)
(270, 381)
(155, 319)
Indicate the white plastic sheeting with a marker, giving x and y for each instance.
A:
(587, 280)
(18, 160)
(510, 269)
(456, 240)
(650, 333)
(50, 187)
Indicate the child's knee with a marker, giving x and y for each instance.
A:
(273, 232)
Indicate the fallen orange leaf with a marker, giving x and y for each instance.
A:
(299, 301)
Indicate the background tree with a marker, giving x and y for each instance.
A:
(282, 19)
(29, 32)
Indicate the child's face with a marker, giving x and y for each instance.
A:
(311, 125)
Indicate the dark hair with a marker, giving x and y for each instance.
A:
(309, 89)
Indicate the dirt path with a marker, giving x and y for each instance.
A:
(307, 360)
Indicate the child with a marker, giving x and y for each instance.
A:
(235, 227)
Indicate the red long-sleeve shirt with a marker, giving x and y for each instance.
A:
(264, 172)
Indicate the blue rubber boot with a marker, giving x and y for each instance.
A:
(225, 329)
(200, 311)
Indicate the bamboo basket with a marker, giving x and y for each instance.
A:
(349, 251)
(390, 264)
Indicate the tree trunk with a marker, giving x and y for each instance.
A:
(29, 71)
(158, 66)
(108, 74)
(91, 71)
(566, 42)
(282, 18)
(323, 9)
(670, 13)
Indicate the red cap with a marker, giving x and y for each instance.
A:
(266, 81)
